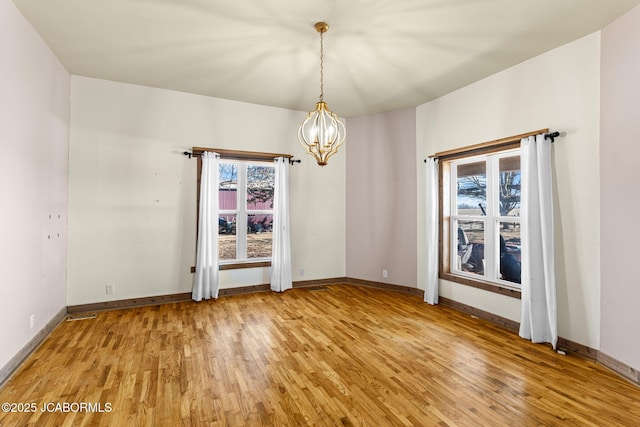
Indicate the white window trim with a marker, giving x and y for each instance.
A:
(491, 220)
(241, 212)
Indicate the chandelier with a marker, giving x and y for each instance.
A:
(322, 132)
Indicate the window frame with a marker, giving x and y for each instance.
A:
(228, 154)
(491, 219)
(242, 212)
(445, 220)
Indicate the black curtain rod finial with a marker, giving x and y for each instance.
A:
(552, 136)
(186, 153)
(291, 161)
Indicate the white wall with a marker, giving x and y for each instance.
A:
(34, 137)
(558, 90)
(620, 174)
(381, 197)
(132, 192)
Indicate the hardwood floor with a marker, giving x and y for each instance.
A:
(345, 355)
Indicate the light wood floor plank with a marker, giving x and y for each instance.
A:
(344, 356)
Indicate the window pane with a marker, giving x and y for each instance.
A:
(227, 237)
(510, 250)
(259, 235)
(509, 186)
(470, 242)
(472, 188)
(260, 187)
(228, 174)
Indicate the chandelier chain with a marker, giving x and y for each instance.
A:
(321, 66)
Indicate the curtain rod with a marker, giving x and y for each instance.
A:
(243, 155)
(497, 143)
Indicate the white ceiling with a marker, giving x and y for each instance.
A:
(380, 55)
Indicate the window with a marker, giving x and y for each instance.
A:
(479, 200)
(484, 202)
(245, 220)
(480, 219)
(245, 194)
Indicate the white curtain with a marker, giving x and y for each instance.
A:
(206, 279)
(431, 248)
(281, 246)
(539, 313)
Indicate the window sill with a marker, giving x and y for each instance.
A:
(239, 265)
(484, 285)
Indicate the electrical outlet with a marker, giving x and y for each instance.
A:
(385, 273)
(32, 321)
(110, 288)
(301, 272)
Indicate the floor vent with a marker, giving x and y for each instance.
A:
(81, 316)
